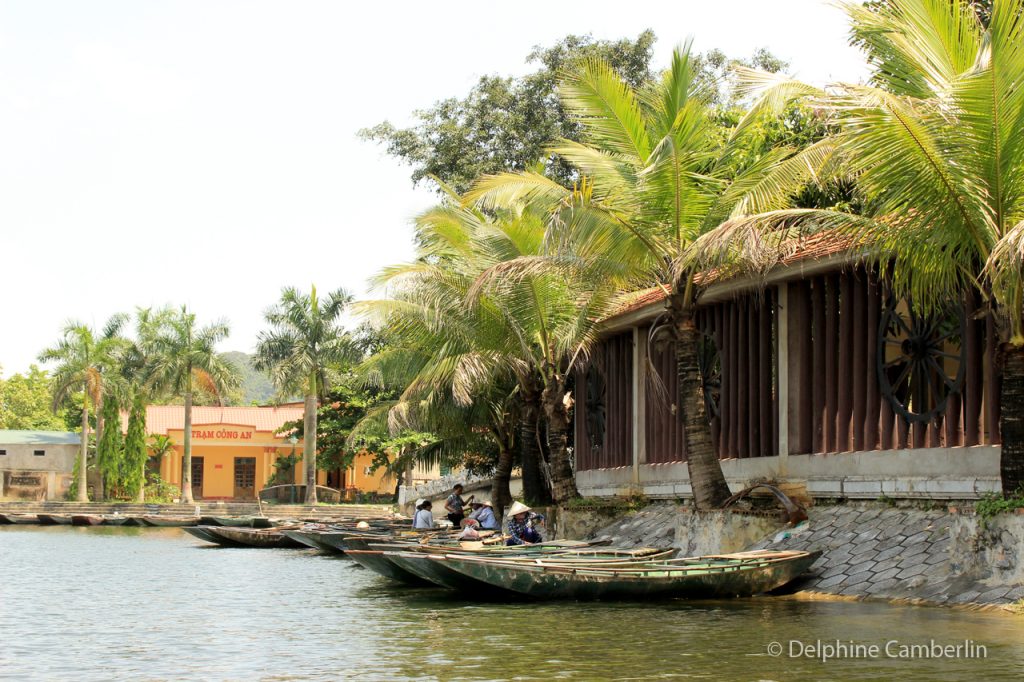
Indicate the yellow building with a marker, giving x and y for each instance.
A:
(234, 450)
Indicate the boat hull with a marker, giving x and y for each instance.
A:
(86, 520)
(263, 539)
(170, 521)
(710, 580)
(382, 565)
(204, 533)
(54, 519)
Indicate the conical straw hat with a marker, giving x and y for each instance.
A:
(517, 508)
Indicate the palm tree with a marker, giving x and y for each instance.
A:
(83, 358)
(934, 141)
(654, 178)
(185, 359)
(305, 344)
(478, 327)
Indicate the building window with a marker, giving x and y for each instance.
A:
(2, 453)
(39, 453)
(368, 471)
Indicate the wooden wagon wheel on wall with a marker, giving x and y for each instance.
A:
(920, 358)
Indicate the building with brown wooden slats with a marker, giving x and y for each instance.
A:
(815, 377)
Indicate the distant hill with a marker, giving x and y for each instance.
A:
(256, 386)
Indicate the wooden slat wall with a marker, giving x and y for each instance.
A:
(663, 429)
(613, 357)
(848, 411)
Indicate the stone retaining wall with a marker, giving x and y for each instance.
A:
(869, 550)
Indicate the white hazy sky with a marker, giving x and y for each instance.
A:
(205, 152)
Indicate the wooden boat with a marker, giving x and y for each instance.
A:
(433, 567)
(313, 539)
(382, 565)
(727, 575)
(115, 520)
(86, 520)
(251, 537)
(238, 521)
(204, 533)
(169, 521)
(22, 519)
(54, 519)
(334, 541)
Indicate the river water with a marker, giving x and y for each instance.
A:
(156, 604)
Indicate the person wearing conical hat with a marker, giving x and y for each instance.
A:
(483, 513)
(520, 526)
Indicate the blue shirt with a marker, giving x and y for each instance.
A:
(485, 515)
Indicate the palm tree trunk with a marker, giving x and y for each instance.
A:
(101, 488)
(535, 489)
(1011, 420)
(706, 478)
(83, 462)
(186, 464)
(309, 446)
(563, 482)
(501, 494)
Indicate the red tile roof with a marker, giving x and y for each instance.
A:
(814, 247)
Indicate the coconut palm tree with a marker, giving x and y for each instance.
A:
(654, 177)
(304, 345)
(83, 360)
(534, 327)
(934, 141)
(185, 359)
(430, 362)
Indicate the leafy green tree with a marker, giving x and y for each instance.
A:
(934, 143)
(302, 349)
(133, 472)
(25, 402)
(110, 448)
(184, 359)
(81, 358)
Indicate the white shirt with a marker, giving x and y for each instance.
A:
(423, 519)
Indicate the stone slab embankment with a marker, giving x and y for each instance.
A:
(932, 556)
(868, 550)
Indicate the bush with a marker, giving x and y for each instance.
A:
(159, 491)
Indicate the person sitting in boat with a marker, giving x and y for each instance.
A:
(483, 514)
(455, 506)
(424, 517)
(521, 526)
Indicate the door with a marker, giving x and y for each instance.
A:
(245, 478)
(197, 478)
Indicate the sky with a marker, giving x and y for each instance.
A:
(205, 152)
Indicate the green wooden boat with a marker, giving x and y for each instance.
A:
(378, 563)
(728, 575)
(204, 533)
(434, 567)
(311, 538)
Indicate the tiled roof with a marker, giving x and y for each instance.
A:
(39, 437)
(813, 247)
(161, 418)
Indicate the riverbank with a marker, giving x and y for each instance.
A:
(948, 556)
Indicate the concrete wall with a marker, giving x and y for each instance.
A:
(437, 491)
(932, 473)
(25, 475)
